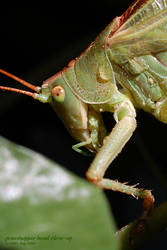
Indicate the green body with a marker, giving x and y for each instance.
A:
(125, 68)
(114, 70)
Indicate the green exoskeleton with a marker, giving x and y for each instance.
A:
(125, 68)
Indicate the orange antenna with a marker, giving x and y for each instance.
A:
(18, 91)
(38, 96)
(27, 84)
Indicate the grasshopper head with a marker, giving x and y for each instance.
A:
(74, 113)
(70, 109)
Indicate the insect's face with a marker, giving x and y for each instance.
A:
(71, 110)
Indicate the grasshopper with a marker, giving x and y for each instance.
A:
(123, 69)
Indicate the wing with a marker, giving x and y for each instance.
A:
(142, 30)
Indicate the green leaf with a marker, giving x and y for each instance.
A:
(43, 206)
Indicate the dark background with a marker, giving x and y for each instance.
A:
(35, 43)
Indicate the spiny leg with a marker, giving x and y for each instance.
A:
(112, 146)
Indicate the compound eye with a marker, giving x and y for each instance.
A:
(58, 94)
